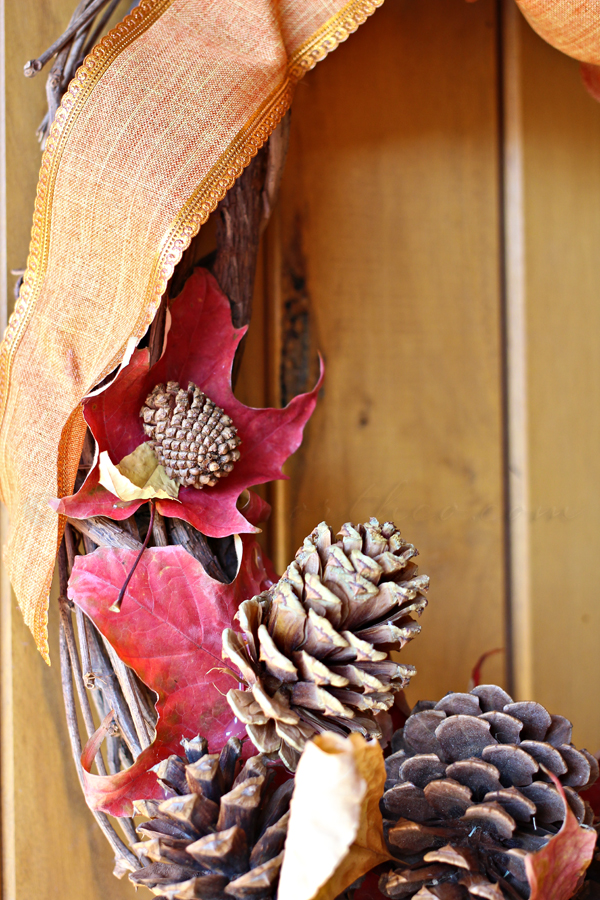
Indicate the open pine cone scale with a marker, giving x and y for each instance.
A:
(314, 649)
(468, 795)
(218, 836)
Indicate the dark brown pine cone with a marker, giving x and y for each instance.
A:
(468, 795)
(192, 437)
(219, 835)
(315, 648)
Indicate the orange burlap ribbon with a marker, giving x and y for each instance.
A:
(156, 126)
(572, 26)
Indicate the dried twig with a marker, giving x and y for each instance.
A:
(70, 50)
(108, 682)
(240, 215)
(84, 703)
(86, 661)
(131, 527)
(156, 337)
(111, 835)
(102, 672)
(114, 739)
(84, 13)
(73, 57)
(105, 533)
(159, 531)
(69, 546)
(121, 851)
(195, 543)
(132, 695)
(54, 90)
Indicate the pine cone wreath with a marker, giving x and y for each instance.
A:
(191, 436)
(218, 836)
(468, 795)
(315, 648)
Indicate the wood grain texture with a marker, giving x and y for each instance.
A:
(389, 264)
(561, 190)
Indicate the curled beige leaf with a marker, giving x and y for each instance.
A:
(138, 476)
(335, 833)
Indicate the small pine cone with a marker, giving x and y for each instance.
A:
(218, 836)
(315, 648)
(192, 437)
(468, 795)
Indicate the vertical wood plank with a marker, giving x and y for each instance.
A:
(521, 661)
(561, 196)
(51, 845)
(390, 266)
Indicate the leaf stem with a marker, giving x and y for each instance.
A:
(116, 607)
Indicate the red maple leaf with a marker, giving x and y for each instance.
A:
(557, 870)
(201, 345)
(169, 631)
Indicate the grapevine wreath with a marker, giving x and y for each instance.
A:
(238, 724)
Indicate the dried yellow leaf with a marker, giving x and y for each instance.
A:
(335, 833)
(138, 476)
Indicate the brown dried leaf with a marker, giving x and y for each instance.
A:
(335, 820)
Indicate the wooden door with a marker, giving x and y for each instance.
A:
(436, 240)
(389, 246)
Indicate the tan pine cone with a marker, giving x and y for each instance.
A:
(218, 835)
(315, 648)
(467, 797)
(192, 437)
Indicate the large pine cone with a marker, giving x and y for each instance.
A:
(191, 436)
(468, 797)
(315, 648)
(218, 836)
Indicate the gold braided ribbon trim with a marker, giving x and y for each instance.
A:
(156, 126)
